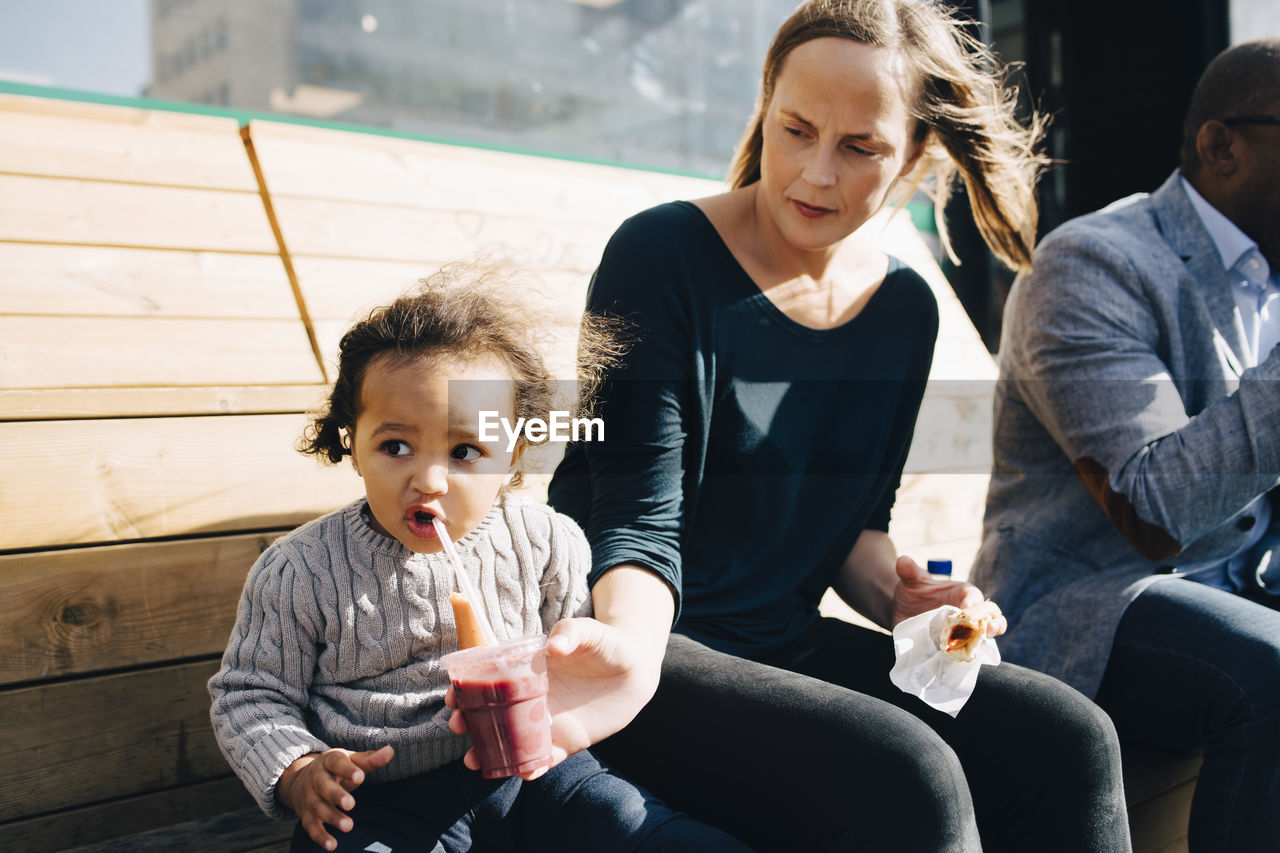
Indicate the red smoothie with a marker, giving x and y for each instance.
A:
(502, 693)
(508, 722)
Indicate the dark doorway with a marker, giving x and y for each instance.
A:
(1116, 76)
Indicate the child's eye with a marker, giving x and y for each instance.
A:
(465, 453)
(396, 447)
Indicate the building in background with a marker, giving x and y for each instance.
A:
(660, 83)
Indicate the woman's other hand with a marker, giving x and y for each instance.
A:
(918, 592)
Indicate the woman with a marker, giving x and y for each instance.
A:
(755, 439)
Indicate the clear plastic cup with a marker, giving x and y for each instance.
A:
(502, 693)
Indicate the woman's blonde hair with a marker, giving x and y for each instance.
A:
(966, 113)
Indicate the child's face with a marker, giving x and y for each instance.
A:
(415, 444)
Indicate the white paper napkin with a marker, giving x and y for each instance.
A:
(922, 670)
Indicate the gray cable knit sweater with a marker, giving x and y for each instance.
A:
(340, 631)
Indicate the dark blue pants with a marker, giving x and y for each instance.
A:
(575, 807)
(1195, 667)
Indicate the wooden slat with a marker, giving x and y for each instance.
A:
(86, 110)
(342, 290)
(64, 830)
(61, 403)
(1159, 825)
(88, 609)
(82, 482)
(89, 352)
(123, 144)
(1150, 773)
(389, 211)
(936, 509)
(245, 830)
(112, 282)
(57, 210)
(78, 742)
(307, 162)
(406, 234)
(953, 429)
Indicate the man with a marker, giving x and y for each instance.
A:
(1134, 502)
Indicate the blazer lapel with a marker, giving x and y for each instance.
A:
(1187, 236)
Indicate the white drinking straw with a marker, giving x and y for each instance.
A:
(468, 589)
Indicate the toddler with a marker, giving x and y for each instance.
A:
(332, 676)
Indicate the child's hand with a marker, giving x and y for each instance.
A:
(316, 787)
(918, 592)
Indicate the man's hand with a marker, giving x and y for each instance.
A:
(918, 592)
(599, 678)
(317, 788)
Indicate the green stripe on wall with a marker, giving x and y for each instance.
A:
(921, 211)
(245, 116)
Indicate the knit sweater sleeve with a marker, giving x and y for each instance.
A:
(564, 579)
(555, 560)
(261, 690)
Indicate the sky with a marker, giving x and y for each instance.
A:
(97, 45)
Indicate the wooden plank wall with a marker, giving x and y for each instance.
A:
(173, 289)
(154, 368)
(362, 217)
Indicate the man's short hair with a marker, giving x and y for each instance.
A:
(1242, 80)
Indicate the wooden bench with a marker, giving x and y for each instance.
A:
(175, 286)
(160, 344)
(154, 368)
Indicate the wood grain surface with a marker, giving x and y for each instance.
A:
(99, 481)
(87, 740)
(84, 610)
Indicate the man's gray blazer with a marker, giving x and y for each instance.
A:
(1129, 440)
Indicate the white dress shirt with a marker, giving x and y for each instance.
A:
(1256, 290)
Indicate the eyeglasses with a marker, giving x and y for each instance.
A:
(1251, 120)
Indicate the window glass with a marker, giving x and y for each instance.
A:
(663, 84)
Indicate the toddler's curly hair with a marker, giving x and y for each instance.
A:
(468, 311)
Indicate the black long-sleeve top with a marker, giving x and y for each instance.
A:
(743, 453)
